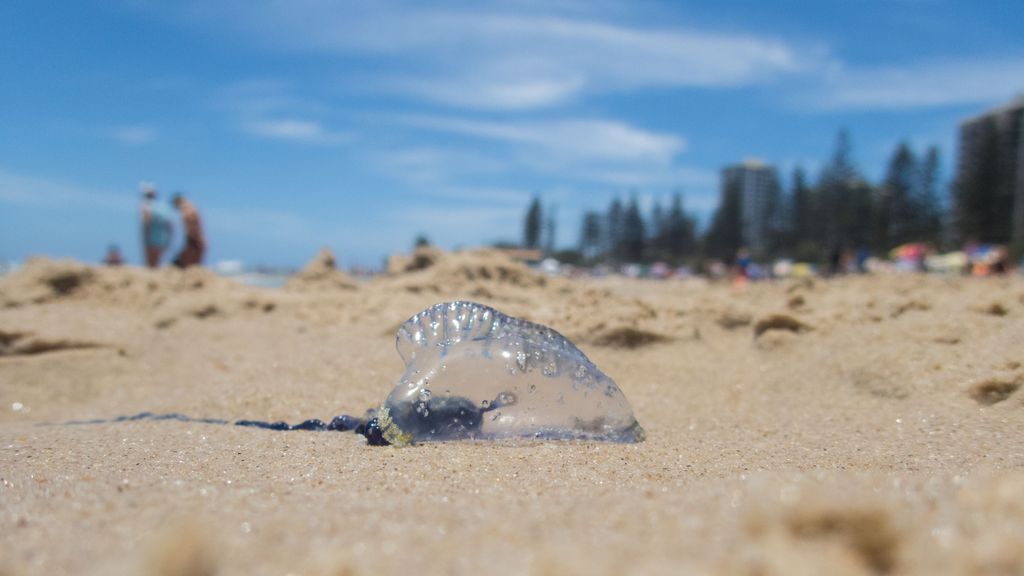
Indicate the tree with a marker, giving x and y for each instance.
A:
(657, 248)
(932, 206)
(631, 246)
(549, 231)
(678, 232)
(532, 224)
(842, 215)
(613, 229)
(896, 209)
(801, 237)
(725, 235)
(422, 241)
(591, 236)
(773, 218)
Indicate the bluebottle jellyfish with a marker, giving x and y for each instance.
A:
(472, 372)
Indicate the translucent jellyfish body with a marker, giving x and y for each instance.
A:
(473, 372)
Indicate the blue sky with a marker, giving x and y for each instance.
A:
(357, 125)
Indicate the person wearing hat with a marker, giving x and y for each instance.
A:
(157, 226)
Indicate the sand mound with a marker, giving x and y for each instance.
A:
(461, 273)
(43, 280)
(321, 274)
(495, 278)
(169, 294)
(422, 258)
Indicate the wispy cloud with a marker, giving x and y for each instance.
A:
(21, 190)
(569, 140)
(266, 108)
(294, 130)
(436, 165)
(928, 84)
(670, 177)
(488, 57)
(134, 135)
(516, 62)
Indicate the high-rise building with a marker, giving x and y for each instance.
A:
(994, 141)
(758, 187)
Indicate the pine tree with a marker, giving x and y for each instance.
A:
(802, 240)
(842, 202)
(633, 237)
(613, 230)
(532, 224)
(931, 205)
(725, 236)
(679, 232)
(773, 217)
(591, 236)
(657, 243)
(550, 231)
(897, 214)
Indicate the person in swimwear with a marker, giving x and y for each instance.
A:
(157, 226)
(195, 243)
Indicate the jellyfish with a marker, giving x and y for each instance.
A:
(472, 372)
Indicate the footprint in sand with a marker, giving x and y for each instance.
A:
(779, 322)
(25, 344)
(993, 390)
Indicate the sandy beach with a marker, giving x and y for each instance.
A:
(859, 425)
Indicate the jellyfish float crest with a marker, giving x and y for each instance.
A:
(473, 372)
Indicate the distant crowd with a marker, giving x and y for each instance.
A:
(158, 231)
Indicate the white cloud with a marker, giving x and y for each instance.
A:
(434, 165)
(487, 57)
(294, 130)
(266, 108)
(473, 91)
(134, 135)
(580, 141)
(670, 177)
(927, 84)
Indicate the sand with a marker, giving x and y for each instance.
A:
(868, 425)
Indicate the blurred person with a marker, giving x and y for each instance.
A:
(743, 261)
(195, 243)
(157, 226)
(1000, 261)
(861, 260)
(113, 257)
(835, 261)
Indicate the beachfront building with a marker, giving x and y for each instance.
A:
(758, 186)
(990, 174)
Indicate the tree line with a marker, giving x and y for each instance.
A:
(811, 221)
(621, 234)
(841, 211)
